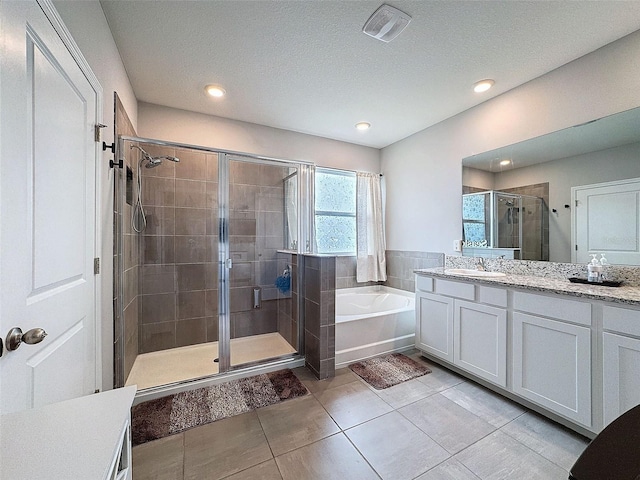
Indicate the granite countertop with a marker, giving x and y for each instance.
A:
(629, 295)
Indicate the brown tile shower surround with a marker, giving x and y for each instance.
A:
(125, 259)
(179, 271)
(179, 249)
(319, 313)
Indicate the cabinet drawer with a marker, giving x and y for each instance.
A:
(569, 310)
(492, 296)
(621, 320)
(455, 289)
(424, 283)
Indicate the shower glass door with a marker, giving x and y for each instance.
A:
(258, 208)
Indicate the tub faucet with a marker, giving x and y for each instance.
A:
(480, 265)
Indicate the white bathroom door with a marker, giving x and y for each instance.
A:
(606, 219)
(48, 154)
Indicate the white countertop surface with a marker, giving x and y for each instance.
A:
(72, 440)
(624, 294)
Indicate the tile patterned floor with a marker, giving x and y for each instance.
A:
(436, 427)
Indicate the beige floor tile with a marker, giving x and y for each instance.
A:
(489, 406)
(404, 393)
(295, 423)
(159, 460)
(264, 471)
(315, 386)
(440, 378)
(351, 404)
(498, 456)
(396, 448)
(224, 447)
(449, 470)
(331, 458)
(452, 426)
(552, 441)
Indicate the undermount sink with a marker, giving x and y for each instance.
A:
(473, 273)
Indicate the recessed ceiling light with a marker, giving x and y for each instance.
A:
(483, 85)
(504, 163)
(215, 91)
(363, 125)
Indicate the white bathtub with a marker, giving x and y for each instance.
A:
(372, 321)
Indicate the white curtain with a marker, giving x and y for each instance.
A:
(371, 264)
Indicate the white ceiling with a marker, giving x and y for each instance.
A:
(305, 65)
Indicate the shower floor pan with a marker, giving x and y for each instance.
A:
(185, 363)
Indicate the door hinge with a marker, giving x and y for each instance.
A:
(98, 131)
(96, 266)
(576, 203)
(576, 247)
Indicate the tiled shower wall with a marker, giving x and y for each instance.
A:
(126, 260)
(400, 267)
(288, 301)
(256, 232)
(179, 249)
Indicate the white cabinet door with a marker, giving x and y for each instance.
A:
(552, 365)
(621, 374)
(48, 163)
(434, 325)
(480, 340)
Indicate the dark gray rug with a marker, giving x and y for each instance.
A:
(388, 370)
(175, 413)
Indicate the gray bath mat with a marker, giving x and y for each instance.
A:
(175, 413)
(388, 370)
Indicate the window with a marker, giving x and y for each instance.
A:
(335, 211)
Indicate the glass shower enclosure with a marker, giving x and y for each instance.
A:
(504, 224)
(201, 237)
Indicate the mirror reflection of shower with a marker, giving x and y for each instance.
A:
(138, 218)
(506, 224)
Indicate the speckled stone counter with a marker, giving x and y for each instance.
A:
(629, 295)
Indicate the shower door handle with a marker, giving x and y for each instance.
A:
(229, 263)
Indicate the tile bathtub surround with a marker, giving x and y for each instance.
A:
(401, 265)
(630, 275)
(447, 428)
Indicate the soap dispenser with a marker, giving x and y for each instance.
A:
(594, 270)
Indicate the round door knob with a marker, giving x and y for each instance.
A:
(15, 337)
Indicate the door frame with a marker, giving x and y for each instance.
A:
(58, 25)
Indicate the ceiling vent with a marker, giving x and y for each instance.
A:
(386, 23)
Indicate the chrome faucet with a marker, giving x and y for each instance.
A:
(480, 265)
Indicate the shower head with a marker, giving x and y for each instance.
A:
(153, 162)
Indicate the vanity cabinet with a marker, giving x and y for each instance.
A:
(452, 326)
(552, 365)
(434, 325)
(552, 354)
(620, 361)
(480, 340)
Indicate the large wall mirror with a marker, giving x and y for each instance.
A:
(559, 197)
